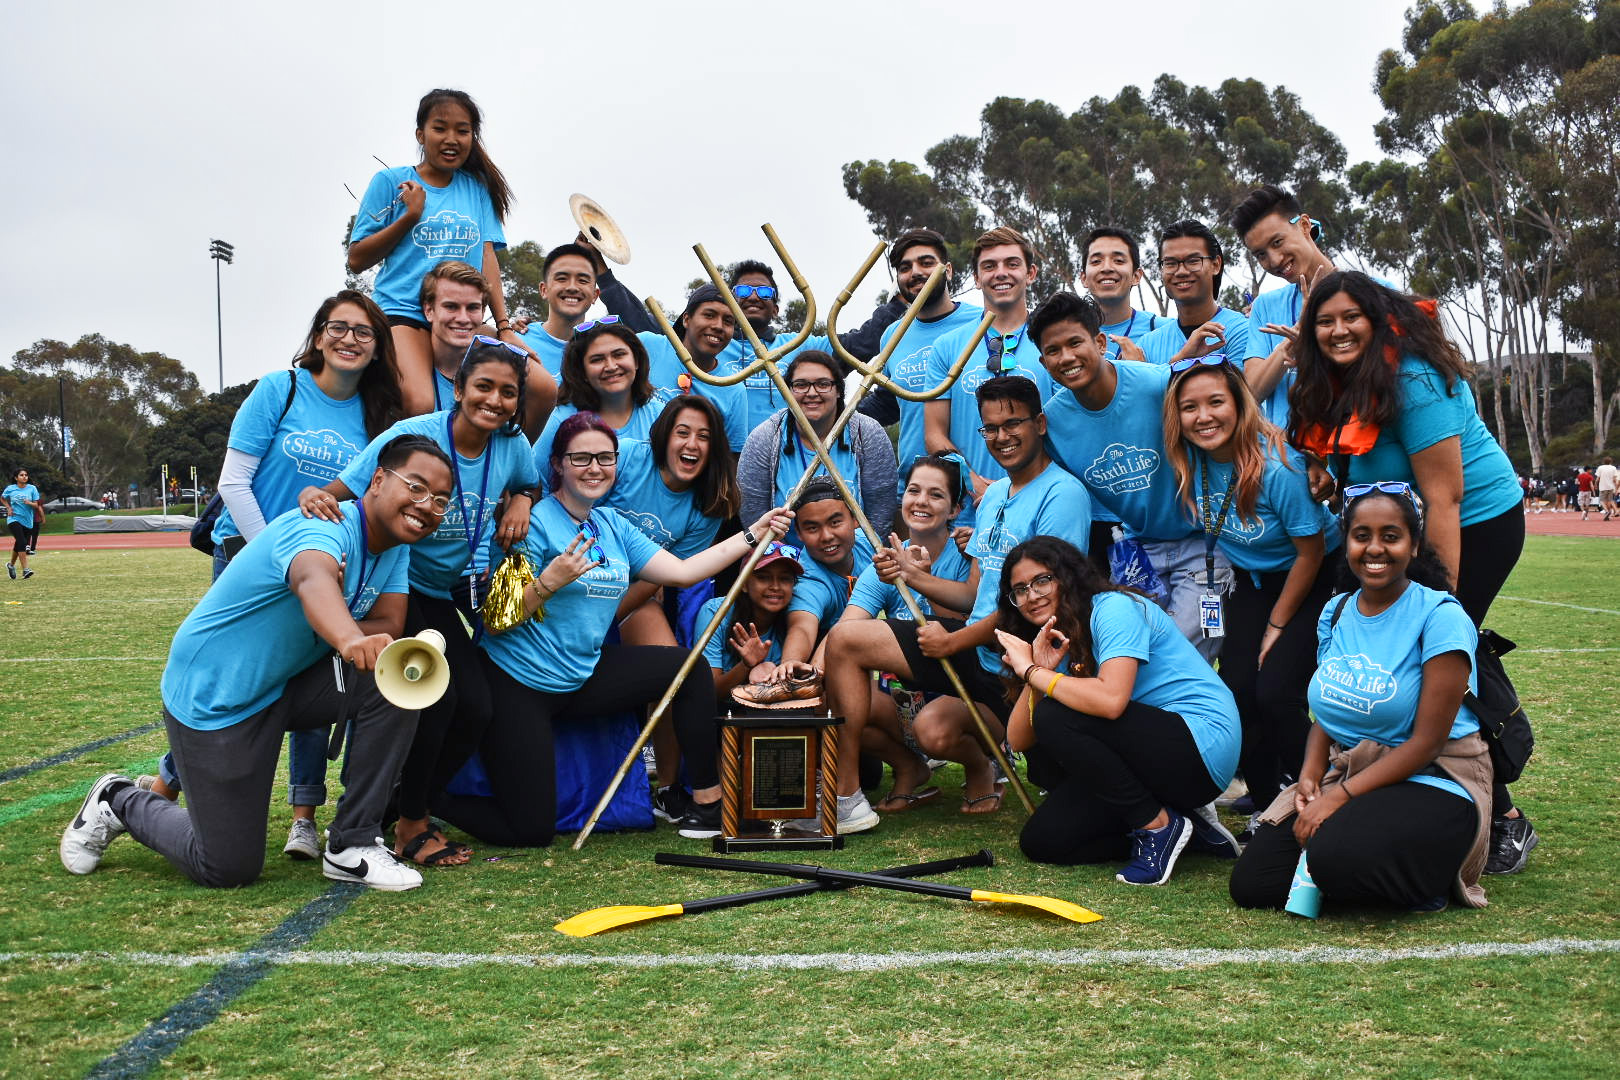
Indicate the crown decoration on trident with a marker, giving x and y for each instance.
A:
(871, 373)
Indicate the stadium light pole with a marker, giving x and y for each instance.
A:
(220, 252)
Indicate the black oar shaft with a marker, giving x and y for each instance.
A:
(822, 873)
(938, 866)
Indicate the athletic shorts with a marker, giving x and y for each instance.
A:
(929, 674)
(406, 320)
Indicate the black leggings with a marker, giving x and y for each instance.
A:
(19, 537)
(1400, 845)
(449, 730)
(519, 755)
(1271, 698)
(1116, 775)
(1490, 550)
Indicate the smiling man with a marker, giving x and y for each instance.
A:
(705, 328)
(568, 286)
(1191, 263)
(286, 639)
(453, 298)
(1004, 266)
(1110, 270)
(1105, 424)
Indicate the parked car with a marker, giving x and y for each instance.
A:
(71, 504)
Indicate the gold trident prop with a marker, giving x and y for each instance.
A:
(766, 360)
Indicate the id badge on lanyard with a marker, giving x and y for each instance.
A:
(1211, 619)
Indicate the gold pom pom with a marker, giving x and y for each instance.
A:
(503, 606)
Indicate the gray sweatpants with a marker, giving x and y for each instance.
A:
(1180, 564)
(218, 838)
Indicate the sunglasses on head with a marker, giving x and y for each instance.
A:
(480, 339)
(1397, 488)
(1212, 360)
(606, 320)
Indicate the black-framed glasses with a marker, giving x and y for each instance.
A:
(820, 386)
(606, 320)
(582, 459)
(990, 431)
(764, 292)
(1212, 360)
(1193, 263)
(421, 493)
(1037, 586)
(1002, 348)
(337, 330)
(485, 339)
(589, 529)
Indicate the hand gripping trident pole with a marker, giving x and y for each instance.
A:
(766, 359)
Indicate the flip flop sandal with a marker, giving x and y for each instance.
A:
(968, 803)
(907, 800)
(454, 845)
(413, 851)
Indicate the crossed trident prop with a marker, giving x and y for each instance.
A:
(767, 360)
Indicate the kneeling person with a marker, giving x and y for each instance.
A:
(245, 669)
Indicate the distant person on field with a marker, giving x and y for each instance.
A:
(1585, 483)
(1607, 478)
(23, 513)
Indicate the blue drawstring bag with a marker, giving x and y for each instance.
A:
(1129, 565)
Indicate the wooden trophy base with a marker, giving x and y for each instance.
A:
(778, 783)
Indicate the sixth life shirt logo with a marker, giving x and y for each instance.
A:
(1355, 682)
(447, 235)
(1121, 468)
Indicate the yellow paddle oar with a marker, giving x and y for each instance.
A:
(597, 920)
(1062, 908)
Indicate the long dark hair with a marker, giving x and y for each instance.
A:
(576, 390)
(1425, 568)
(481, 354)
(837, 371)
(1327, 394)
(478, 163)
(1078, 585)
(379, 382)
(715, 489)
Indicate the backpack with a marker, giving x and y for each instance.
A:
(202, 531)
(1503, 723)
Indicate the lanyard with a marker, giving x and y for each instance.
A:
(1212, 535)
(477, 525)
(365, 557)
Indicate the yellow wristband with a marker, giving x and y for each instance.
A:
(1053, 684)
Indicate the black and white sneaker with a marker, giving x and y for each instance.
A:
(702, 821)
(1209, 835)
(92, 828)
(671, 803)
(1512, 840)
(373, 865)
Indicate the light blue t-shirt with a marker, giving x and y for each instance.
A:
(444, 391)
(443, 559)
(1135, 328)
(964, 430)
(875, 597)
(665, 370)
(639, 426)
(908, 367)
(795, 458)
(1369, 669)
(546, 347)
(457, 220)
(316, 440)
(1285, 509)
(718, 652)
(248, 635)
(557, 655)
(1170, 675)
(1052, 504)
(761, 393)
(824, 592)
(1428, 414)
(1161, 346)
(670, 519)
(18, 496)
(1118, 451)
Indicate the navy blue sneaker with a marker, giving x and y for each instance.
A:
(1154, 852)
(1209, 835)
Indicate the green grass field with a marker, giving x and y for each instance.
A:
(465, 976)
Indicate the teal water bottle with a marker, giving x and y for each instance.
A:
(1304, 898)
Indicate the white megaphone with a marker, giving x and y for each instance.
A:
(412, 672)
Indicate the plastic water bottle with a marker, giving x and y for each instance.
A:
(1304, 898)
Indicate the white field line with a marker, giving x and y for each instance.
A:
(1167, 959)
(1555, 603)
(79, 659)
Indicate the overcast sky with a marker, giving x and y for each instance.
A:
(151, 128)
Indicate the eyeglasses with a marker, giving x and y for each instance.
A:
(606, 320)
(1212, 360)
(990, 431)
(581, 459)
(1039, 585)
(1002, 347)
(804, 386)
(421, 493)
(1193, 263)
(337, 330)
(481, 339)
(764, 292)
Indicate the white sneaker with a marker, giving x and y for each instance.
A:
(855, 814)
(92, 828)
(303, 840)
(372, 865)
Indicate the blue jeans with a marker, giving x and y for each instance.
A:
(306, 750)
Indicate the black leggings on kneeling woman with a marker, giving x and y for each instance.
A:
(519, 755)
